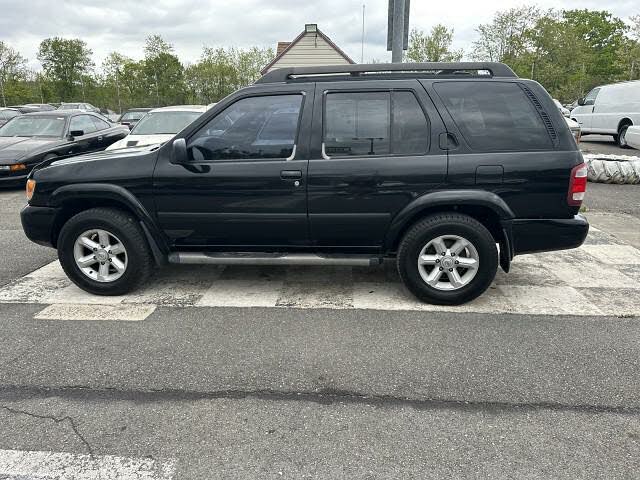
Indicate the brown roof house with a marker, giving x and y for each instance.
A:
(310, 48)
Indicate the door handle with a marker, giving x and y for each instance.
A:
(447, 141)
(291, 174)
(100, 138)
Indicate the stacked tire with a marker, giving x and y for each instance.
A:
(625, 170)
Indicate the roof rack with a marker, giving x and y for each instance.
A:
(493, 69)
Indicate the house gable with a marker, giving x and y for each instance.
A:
(309, 49)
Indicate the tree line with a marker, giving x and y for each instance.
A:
(159, 79)
(567, 51)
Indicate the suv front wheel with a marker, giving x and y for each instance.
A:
(447, 259)
(104, 252)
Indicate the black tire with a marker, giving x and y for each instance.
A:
(124, 226)
(447, 224)
(620, 138)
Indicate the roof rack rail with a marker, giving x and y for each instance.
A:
(494, 69)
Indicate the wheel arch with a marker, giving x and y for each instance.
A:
(624, 121)
(486, 207)
(73, 199)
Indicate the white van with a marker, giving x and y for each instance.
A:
(609, 110)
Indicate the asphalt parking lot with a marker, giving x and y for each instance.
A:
(268, 373)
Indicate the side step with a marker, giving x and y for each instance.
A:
(251, 258)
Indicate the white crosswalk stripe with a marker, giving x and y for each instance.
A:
(28, 465)
(600, 278)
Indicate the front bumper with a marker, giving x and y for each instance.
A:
(542, 235)
(11, 180)
(38, 223)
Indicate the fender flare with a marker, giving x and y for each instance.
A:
(447, 198)
(116, 193)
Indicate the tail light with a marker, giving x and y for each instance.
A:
(577, 185)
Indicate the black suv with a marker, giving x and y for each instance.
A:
(434, 165)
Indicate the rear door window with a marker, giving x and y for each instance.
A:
(100, 124)
(374, 123)
(82, 122)
(494, 116)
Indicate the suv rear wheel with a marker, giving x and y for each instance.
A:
(447, 259)
(104, 251)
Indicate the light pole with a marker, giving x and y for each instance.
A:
(362, 44)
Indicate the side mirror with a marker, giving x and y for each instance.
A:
(581, 102)
(76, 133)
(179, 151)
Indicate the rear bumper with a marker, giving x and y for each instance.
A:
(37, 223)
(542, 235)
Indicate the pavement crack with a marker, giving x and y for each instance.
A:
(324, 396)
(67, 419)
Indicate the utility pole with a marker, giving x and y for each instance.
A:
(398, 30)
(362, 45)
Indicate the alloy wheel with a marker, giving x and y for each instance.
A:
(448, 262)
(100, 255)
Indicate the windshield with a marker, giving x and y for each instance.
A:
(28, 126)
(164, 123)
(133, 116)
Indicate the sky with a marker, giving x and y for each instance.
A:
(118, 25)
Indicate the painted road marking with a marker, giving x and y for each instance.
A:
(131, 313)
(600, 278)
(25, 465)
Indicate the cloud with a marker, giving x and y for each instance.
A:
(122, 25)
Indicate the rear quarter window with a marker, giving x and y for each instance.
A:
(494, 116)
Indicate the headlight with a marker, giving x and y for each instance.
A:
(31, 188)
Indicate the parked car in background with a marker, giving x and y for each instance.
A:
(333, 165)
(7, 114)
(160, 125)
(609, 110)
(633, 136)
(563, 110)
(34, 107)
(42, 107)
(575, 129)
(133, 116)
(27, 140)
(85, 107)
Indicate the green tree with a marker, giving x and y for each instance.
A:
(12, 73)
(432, 47)
(164, 74)
(505, 37)
(65, 62)
(220, 72)
(604, 37)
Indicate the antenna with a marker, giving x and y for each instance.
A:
(362, 47)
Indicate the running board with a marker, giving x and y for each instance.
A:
(250, 258)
